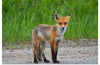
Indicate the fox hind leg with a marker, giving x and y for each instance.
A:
(39, 51)
(45, 60)
(35, 51)
(43, 55)
(34, 45)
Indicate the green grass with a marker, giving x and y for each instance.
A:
(20, 17)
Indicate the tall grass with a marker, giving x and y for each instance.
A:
(20, 17)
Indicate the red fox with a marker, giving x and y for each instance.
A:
(52, 33)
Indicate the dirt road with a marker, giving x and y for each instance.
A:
(70, 52)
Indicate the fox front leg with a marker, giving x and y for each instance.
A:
(52, 50)
(56, 51)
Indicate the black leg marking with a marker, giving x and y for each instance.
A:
(35, 59)
(53, 56)
(45, 60)
(56, 52)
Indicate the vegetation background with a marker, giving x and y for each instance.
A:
(20, 17)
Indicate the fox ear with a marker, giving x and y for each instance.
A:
(57, 16)
(69, 15)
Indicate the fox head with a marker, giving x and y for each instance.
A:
(62, 22)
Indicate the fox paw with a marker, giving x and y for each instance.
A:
(46, 61)
(56, 62)
(35, 61)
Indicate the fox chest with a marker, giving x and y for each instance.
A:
(61, 32)
(60, 35)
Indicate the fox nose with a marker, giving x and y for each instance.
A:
(62, 27)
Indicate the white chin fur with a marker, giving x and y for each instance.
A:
(61, 31)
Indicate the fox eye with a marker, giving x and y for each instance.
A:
(65, 23)
(60, 23)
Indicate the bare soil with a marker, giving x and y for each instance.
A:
(83, 51)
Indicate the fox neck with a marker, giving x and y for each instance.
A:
(61, 31)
